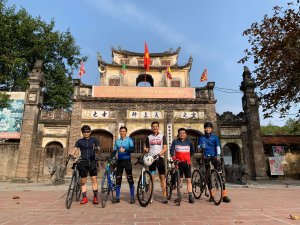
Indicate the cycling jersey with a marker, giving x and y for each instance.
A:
(155, 143)
(211, 145)
(87, 148)
(183, 150)
(127, 144)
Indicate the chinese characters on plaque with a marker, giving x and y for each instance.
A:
(97, 114)
(189, 114)
(145, 114)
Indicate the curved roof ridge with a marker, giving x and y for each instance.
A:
(169, 52)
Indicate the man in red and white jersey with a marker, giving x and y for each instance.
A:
(182, 149)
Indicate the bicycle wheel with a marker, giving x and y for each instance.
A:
(145, 189)
(113, 189)
(177, 185)
(197, 184)
(71, 190)
(104, 189)
(216, 187)
(78, 189)
(169, 188)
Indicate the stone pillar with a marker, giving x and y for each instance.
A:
(255, 144)
(34, 100)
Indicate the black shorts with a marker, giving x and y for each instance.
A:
(160, 165)
(87, 167)
(185, 169)
(124, 164)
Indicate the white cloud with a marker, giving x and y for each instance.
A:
(130, 14)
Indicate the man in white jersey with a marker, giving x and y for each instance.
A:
(156, 145)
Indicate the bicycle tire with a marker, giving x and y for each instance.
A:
(177, 183)
(78, 189)
(169, 187)
(216, 187)
(104, 189)
(197, 183)
(113, 189)
(147, 187)
(71, 190)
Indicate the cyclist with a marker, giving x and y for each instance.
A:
(182, 149)
(210, 143)
(122, 150)
(87, 147)
(156, 145)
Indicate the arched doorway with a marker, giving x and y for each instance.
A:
(231, 154)
(144, 80)
(139, 138)
(54, 153)
(194, 136)
(106, 140)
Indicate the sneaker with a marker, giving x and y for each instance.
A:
(117, 200)
(95, 201)
(191, 200)
(84, 200)
(226, 199)
(132, 201)
(151, 200)
(165, 200)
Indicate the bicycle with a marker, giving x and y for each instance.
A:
(108, 183)
(173, 181)
(75, 184)
(207, 177)
(145, 184)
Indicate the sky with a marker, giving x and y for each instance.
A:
(209, 31)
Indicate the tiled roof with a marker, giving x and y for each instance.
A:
(281, 139)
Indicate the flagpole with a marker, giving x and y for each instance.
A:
(145, 77)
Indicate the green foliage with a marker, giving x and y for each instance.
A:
(4, 100)
(291, 127)
(25, 39)
(276, 53)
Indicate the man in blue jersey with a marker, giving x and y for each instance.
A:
(210, 145)
(122, 150)
(87, 147)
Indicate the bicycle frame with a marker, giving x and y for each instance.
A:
(75, 186)
(143, 186)
(109, 176)
(174, 173)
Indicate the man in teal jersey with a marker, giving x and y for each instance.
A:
(122, 150)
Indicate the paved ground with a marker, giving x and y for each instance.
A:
(257, 203)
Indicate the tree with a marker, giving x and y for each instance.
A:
(25, 39)
(4, 100)
(291, 127)
(275, 51)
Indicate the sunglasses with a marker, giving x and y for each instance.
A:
(86, 131)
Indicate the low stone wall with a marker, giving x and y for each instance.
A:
(8, 160)
(235, 173)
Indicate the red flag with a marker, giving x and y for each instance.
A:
(81, 69)
(146, 58)
(204, 76)
(123, 69)
(168, 73)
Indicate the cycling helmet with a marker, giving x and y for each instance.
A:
(208, 124)
(148, 159)
(85, 128)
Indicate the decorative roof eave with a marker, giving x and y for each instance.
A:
(139, 54)
(187, 66)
